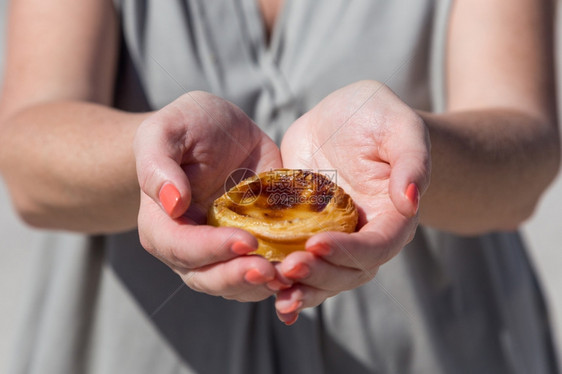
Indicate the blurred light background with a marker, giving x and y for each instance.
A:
(543, 234)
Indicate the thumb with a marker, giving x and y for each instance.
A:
(410, 170)
(159, 172)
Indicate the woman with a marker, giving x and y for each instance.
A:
(77, 117)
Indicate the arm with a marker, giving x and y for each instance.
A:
(65, 156)
(493, 152)
(497, 147)
(68, 159)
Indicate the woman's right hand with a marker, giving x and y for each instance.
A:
(184, 154)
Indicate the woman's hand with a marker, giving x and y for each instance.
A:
(185, 153)
(379, 149)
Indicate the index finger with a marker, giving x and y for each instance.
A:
(158, 157)
(183, 245)
(376, 243)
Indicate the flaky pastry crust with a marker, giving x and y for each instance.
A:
(282, 208)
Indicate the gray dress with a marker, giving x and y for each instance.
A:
(445, 304)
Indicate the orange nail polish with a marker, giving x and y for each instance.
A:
(254, 276)
(320, 249)
(292, 320)
(169, 197)
(292, 308)
(276, 285)
(241, 248)
(413, 194)
(298, 271)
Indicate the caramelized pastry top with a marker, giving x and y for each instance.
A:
(283, 195)
(285, 207)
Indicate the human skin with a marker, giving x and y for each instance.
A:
(185, 153)
(493, 151)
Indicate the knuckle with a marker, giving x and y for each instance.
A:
(411, 236)
(147, 244)
(193, 281)
(365, 276)
(147, 174)
(385, 254)
(178, 256)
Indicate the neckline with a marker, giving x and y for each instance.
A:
(270, 10)
(271, 45)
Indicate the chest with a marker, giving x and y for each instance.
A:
(270, 10)
(314, 48)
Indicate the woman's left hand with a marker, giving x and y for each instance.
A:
(379, 149)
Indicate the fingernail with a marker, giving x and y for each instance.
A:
(169, 197)
(241, 248)
(292, 308)
(413, 194)
(298, 271)
(320, 249)
(254, 276)
(292, 320)
(276, 285)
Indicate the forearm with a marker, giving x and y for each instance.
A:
(70, 165)
(489, 169)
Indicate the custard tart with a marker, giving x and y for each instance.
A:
(282, 208)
